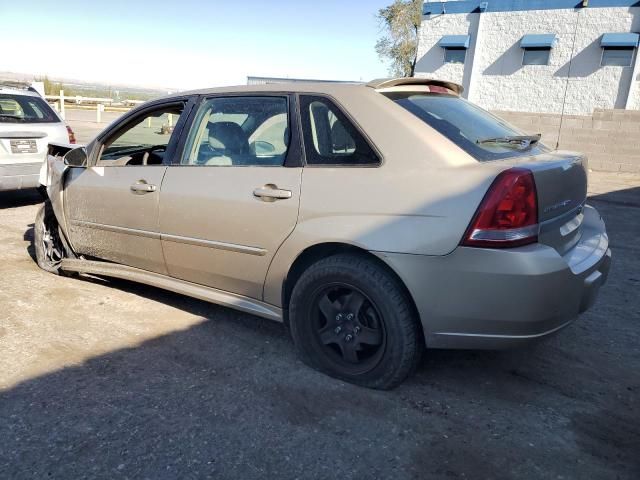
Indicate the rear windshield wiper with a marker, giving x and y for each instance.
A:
(518, 141)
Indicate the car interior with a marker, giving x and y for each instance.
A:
(143, 142)
(25, 109)
(235, 131)
(330, 137)
(241, 132)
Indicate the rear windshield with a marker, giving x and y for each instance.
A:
(25, 109)
(465, 124)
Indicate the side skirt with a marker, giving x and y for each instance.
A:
(183, 287)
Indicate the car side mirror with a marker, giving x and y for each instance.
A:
(76, 157)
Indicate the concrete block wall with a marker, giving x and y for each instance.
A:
(573, 82)
(430, 57)
(610, 138)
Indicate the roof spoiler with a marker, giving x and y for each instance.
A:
(380, 83)
(15, 85)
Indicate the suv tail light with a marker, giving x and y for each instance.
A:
(72, 136)
(508, 214)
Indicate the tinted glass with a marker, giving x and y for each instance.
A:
(454, 55)
(25, 109)
(143, 141)
(617, 57)
(239, 131)
(330, 138)
(536, 56)
(463, 123)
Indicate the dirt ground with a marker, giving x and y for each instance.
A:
(109, 379)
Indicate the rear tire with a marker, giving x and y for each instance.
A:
(49, 244)
(352, 319)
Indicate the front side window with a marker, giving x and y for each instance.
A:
(143, 141)
(454, 55)
(330, 138)
(239, 131)
(536, 56)
(473, 129)
(617, 56)
(25, 109)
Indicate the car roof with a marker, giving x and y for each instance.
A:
(306, 87)
(324, 87)
(18, 91)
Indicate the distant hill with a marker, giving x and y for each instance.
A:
(74, 87)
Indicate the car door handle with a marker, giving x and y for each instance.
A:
(271, 193)
(142, 187)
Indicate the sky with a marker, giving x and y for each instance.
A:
(184, 44)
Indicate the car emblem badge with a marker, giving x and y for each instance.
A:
(558, 205)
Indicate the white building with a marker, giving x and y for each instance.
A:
(544, 56)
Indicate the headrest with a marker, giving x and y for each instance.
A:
(229, 137)
(340, 138)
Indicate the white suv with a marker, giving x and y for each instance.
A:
(27, 125)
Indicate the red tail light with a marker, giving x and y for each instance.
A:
(72, 136)
(508, 213)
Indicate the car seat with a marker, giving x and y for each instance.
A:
(228, 144)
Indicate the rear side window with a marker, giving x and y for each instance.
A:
(465, 124)
(25, 109)
(330, 138)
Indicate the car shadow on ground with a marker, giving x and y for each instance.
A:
(29, 237)
(212, 312)
(227, 398)
(20, 198)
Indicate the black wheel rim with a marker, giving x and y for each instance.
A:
(348, 329)
(51, 244)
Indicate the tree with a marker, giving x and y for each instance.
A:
(400, 23)
(50, 87)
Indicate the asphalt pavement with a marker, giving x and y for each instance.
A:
(85, 125)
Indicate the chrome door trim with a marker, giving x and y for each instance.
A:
(174, 238)
(116, 229)
(214, 244)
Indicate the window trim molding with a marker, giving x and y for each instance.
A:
(352, 120)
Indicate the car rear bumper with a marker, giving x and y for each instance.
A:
(19, 175)
(492, 298)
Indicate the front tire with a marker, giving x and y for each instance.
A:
(352, 319)
(49, 246)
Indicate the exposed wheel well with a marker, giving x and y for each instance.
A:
(49, 209)
(317, 252)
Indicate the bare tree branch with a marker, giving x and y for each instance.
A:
(400, 23)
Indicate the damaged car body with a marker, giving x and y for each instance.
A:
(375, 220)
